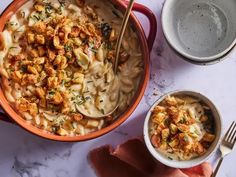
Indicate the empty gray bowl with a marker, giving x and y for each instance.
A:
(202, 31)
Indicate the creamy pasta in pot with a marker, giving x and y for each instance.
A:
(56, 63)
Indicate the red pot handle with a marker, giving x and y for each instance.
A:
(152, 20)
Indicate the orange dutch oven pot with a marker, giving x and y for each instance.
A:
(146, 45)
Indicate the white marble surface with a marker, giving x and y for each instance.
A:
(25, 155)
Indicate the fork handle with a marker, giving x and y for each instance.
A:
(217, 167)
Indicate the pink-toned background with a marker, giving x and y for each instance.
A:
(25, 155)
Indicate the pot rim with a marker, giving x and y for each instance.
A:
(8, 12)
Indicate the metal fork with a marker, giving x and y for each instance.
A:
(227, 145)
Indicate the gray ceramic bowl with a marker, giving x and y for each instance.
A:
(188, 163)
(202, 31)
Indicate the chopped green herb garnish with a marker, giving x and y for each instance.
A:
(78, 99)
(62, 5)
(12, 24)
(62, 2)
(13, 48)
(68, 48)
(87, 98)
(94, 50)
(79, 102)
(51, 92)
(35, 16)
(23, 14)
(102, 111)
(23, 68)
(183, 120)
(48, 8)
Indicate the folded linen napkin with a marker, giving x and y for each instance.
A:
(132, 159)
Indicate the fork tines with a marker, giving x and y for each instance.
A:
(230, 134)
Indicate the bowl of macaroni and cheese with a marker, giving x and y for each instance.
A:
(57, 58)
(182, 129)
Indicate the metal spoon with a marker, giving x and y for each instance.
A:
(122, 32)
(115, 68)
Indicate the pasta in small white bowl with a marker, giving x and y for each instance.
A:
(182, 129)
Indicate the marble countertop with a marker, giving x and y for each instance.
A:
(25, 155)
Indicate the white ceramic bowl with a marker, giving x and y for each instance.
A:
(188, 163)
(200, 30)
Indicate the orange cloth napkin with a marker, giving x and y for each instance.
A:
(132, 159)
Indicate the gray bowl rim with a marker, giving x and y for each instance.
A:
(202, 63)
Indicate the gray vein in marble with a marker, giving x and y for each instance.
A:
(30, 169)
(64, 156)
(58, 150)
(121, 133)
(159, 47)
(59, 155)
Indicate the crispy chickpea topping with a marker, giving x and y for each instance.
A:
(77, 116)
(25, 106)
(39, 27)
(17, 76)
(29, 79)
(180, 127)
(57, 98)
(39, 7)
(30, 38)
(33, 53)
(40, 92)
(52, 82)
(40, 39)
(32, 70)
